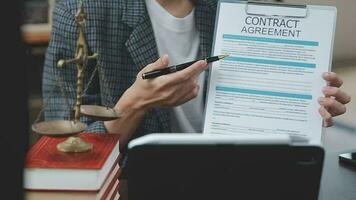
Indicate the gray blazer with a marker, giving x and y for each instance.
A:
(121, 32)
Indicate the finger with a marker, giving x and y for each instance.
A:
(333, 79)
(162, 62)
(191, 71)
(339, 95)
(179, 96)
(190, 95)
(194, 81)
(189, 88)
(327, 118)
(334, 107)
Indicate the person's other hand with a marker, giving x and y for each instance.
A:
(333, 104)
(168, 90)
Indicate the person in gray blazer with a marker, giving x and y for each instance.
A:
(135, 36)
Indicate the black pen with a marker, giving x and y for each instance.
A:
(175, 68)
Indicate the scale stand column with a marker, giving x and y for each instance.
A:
(75, 143)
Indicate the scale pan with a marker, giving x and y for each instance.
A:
(59, 128)
(99, 113)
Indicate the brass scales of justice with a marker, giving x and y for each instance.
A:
(71, 128)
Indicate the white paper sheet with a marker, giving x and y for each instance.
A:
(272, 79)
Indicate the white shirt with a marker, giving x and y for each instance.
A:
(179, 38)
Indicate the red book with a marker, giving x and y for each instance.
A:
(49, 169)
(107, 191)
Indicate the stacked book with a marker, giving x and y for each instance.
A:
(51, 174)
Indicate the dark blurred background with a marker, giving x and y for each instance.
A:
(13, 88)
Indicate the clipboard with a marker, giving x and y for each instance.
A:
(192, 166)
(296, 12)
(300, 10)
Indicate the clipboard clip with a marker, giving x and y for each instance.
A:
(298, 10)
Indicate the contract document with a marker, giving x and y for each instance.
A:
(272, 79)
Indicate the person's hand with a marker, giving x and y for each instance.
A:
(168, 90)
(333, 104)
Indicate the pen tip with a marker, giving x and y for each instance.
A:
(223, 56)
